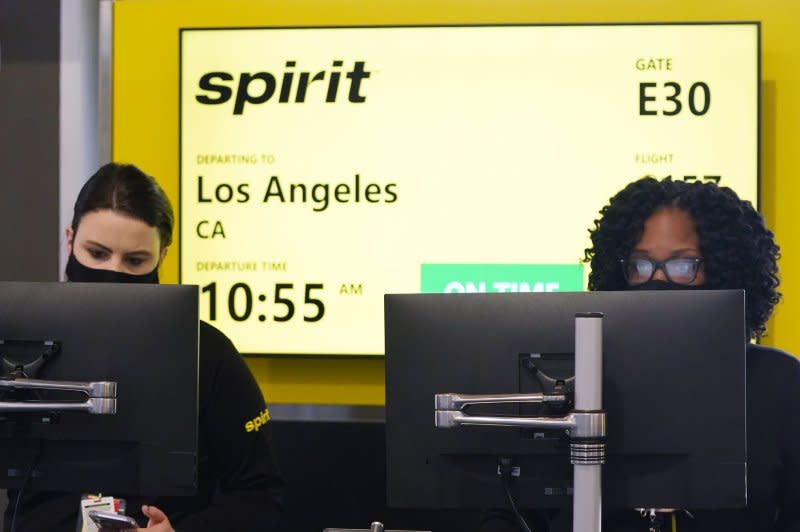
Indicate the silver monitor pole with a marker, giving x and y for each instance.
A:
(588, 454)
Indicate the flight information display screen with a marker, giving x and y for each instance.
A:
(322, 168)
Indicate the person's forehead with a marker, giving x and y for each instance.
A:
(669, 223)
(667, 232)
(117, 230)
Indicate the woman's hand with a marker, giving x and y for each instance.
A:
(157, 521)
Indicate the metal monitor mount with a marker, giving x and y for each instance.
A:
(22, 359)
(586, 424)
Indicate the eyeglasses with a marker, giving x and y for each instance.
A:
(681, 270)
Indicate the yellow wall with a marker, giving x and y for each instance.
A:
(145, 130)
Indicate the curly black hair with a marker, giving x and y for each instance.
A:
(738, 250)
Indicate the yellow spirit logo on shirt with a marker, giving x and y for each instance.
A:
(257, 422)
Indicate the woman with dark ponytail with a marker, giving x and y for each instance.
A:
(120, 232)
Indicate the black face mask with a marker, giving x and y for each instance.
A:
(657, 284)
(79, 273)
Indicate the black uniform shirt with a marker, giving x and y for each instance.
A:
(239, 486)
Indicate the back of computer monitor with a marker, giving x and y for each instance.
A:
(674, 393)
(144, 338)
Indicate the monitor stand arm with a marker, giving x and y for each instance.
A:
(102, 396)
(21, 360)
(586, 425)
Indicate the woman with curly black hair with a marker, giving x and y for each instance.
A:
(676, 235)
(736, 248)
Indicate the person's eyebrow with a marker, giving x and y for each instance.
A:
(97, 245)
(139, 253)
(673, 254)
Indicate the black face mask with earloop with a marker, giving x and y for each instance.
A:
(79, 273)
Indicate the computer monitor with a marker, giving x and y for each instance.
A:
(674, 393)
(144, 338)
